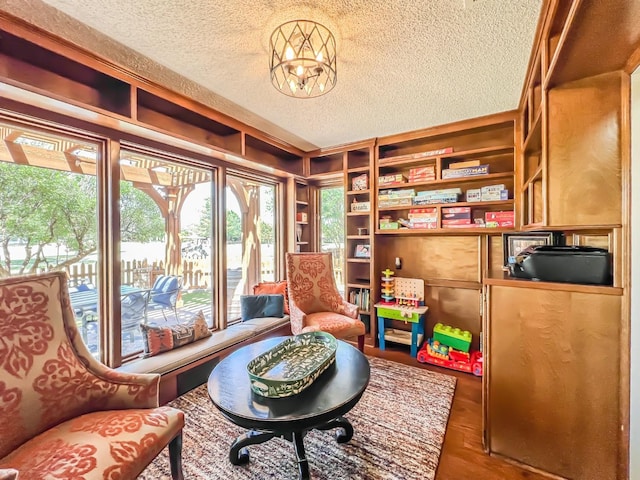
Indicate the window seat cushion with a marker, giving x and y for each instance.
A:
(171, 360)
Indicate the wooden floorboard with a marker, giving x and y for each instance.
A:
(462, 454)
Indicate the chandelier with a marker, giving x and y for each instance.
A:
(303, 59)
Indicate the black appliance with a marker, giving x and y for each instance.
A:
(568, 264)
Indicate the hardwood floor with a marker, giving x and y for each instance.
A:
(462, 455)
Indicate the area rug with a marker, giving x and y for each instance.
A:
(399, 426)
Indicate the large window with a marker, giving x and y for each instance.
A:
(166, 244)
(332, 233)
(48, 215)
(251, 237)
(56, 195)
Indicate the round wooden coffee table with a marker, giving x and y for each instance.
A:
(319, 407)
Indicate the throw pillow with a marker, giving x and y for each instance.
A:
(256, 306)
(158, 339)
(274, 287)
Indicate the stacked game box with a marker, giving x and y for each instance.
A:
(423, 218)
(465, 172)
(428, 197)
(422, 174)
(393, 179)
(494, 192)
(501, 219)
(456, 217)
(396, 198)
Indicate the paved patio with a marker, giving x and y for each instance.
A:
(132, 339)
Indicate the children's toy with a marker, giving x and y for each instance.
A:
(437, 350)
(409, 292)
(433, 352)
(452, 337)
(387, 287)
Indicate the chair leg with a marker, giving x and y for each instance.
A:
(361, 343)
(175, 457)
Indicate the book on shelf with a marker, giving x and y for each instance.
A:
(361, 298)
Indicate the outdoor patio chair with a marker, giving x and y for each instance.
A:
(133, 311)
(315, 304)
(164, 294)
(64, 414)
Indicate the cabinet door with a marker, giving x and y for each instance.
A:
(553, 380)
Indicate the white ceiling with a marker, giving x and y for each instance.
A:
(402, 64)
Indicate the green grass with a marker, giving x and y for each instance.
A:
(199, 298)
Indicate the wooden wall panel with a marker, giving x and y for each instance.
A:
(457, 307)
(584, 161)
(431, 257)
(554, 380)
(496, 257)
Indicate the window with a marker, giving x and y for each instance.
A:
(56, 200)
(251, 238)
(48, 215)
(166, 244)
(332, 231)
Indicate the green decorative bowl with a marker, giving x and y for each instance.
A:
(293, 365)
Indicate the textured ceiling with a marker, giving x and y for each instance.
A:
(402, 64)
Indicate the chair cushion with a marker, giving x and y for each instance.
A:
(105, 444)
(158, 339)
(256, 306)
(274, 288)
(340, 326)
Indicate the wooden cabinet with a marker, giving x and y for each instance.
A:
(552, 376)
(359, 245)
(461, 181)
(556, 358)
(572, 114)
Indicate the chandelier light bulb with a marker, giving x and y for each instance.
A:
(289, 54)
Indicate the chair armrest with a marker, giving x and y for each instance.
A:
(350, 310)
(131, 390)
(297, 317)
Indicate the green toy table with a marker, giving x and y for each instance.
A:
(415, 315)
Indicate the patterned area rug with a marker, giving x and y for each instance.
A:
(399, 426)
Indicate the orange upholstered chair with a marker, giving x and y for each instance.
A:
(315, 304)
(62, 413)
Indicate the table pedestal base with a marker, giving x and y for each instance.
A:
(239, 454)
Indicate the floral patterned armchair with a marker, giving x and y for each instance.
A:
(63, 414)
(315, 303)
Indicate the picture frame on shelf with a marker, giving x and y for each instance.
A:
(362, 251)
(514, 243)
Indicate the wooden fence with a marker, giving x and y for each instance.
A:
(196, 274)
(140, 273)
